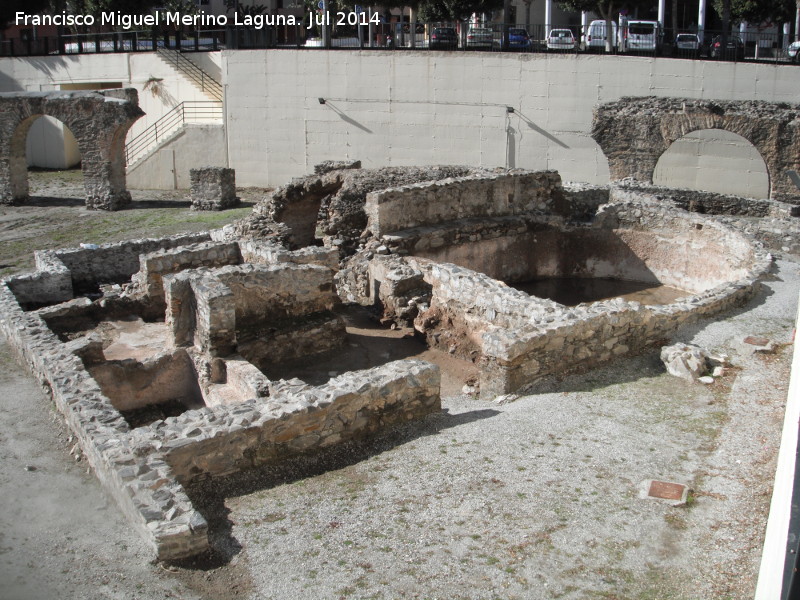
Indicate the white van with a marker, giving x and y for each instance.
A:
(642, 36)
(595, 38)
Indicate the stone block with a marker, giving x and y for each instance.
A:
(213, 188)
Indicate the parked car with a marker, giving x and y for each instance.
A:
(794, 52)
(518, 39)
(595, 39)
(687, 45)
(443, 38)
(560, 39)
(733, 51)
(643, 36)
(479, 37)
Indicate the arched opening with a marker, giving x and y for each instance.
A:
(714, 160)
(41, 141)
(50, 144)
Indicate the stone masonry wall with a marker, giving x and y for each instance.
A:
(98, 120)
(708, 203)
(634, 132)
(520, 339)
(425, 204)
(154, 265)
(213, 188)
(205, 443)
(142, 468)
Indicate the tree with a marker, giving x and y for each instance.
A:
(455, 10)
(607, 9)
(9, 8)
(758, 11)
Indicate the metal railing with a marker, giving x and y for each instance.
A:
(198, 111)
(114, 41)
(207, 84)
(754, 46)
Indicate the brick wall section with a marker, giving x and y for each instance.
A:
(98, 120)
(521, 339)
(634, 132)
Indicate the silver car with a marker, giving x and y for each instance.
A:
(560, 39)
(687, 44)
(794, 51)
(479, 37)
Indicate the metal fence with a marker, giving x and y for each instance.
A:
(120, 41)
(458, 36)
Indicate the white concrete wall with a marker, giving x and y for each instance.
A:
(195, 145)
(704, 159)
(51, 145)
(388, 108)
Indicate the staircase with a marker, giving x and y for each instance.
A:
(197, 111)
(199, 78)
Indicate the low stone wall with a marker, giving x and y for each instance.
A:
(709, 203)
(141, 468)
(518, 339)
(154, 265)
(215, 443)
(266, 253)
(141, 483)
(433, 203)
(110, 263)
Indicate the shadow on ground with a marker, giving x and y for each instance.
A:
(209, 496)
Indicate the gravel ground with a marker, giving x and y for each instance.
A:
(533, 499)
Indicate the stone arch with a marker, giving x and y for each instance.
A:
(635, 132)
(98, 120)
(713, 160)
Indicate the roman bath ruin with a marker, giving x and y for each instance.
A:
(192, 357)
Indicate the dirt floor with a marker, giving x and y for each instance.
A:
(537, 498)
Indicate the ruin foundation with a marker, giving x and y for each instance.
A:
(438, 249)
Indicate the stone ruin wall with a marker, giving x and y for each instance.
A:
(144, 468)
(99, 120)
(514, 338)
(634, 132)
(517, 339)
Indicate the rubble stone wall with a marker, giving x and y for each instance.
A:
(142, 485)
(98, 120)
(154, 265)
(432, 203)
(273, 292)
(142, 468)
(709, 203)
(518, 339)
(213, 188)
(253, 434)
(634, 132)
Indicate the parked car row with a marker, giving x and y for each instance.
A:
(638, 36)
(446, 38)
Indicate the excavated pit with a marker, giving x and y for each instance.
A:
(571, 291)
(370, 344)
